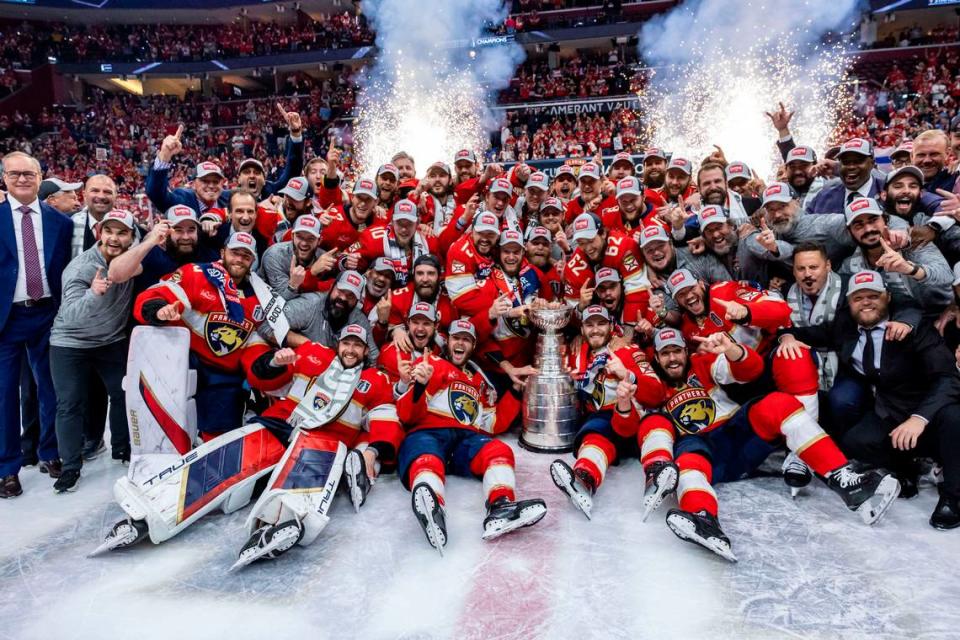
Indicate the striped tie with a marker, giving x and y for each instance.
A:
(31, 256)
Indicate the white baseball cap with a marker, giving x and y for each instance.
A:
(680, 164)
(906, 170)
(680, 280)
(384, 264)
(777, 192)
(906, 147)
(205, 169)
(585, 227)
(802, 154)
(564, 169)
(629, 186)
(487, 221)
(242, 240)
(510, 236)
(606, 274)
(353, 282)
(501, 185)
(365, 187)
(623, 156)
(181, 213)
(858, 146)
(551, 203)
(464, 155)
(296, 188)
(439, 164)
(388, 168)
(736, 170)
(118, 215)
(862, 207)
(535, 233)
(308, 224)
(654, 152)
(251, 162)
(595, 310)
(538, 180)
(462, 325)
(424, 309)
(353, 331)
(405, 210)
(667, 338)
(653, 233)
(866, 281)
(711, 214)
(590, 170)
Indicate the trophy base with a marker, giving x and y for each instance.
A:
(539, 443)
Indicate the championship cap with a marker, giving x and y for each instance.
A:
(439, 164)
(586, 227)
(565, 169)
(866, 281)
(802, 154)
(668, 338)
(251, 162)
(388, 168)
(462, 325)
(355, 331)
(365, 187)
(118, 215)
(654, 152)
(511, 236)
(424, 309)
(464, 155)
(590, 170)
(181, 213)
(551, 203)
(428, 259)
(629, 186)
(653, 233)
(352, 282)
(242, 240)
(680, 280)
(680, 164)
(906, 170)
(384, 264)
(777, 192)
(905, 148)
(711, 214)
(538, 180)
(308, 224)
(536, 233)
(595, 311)
(862, 207)
(623, 156)
(737, 170)
(606, 275)
(205, 169)
(405, 210)
(487, 221)
(296, 188)
(501, 185)
(856, 145)
(52, 186)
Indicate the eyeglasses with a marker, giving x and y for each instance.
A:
(30, 176)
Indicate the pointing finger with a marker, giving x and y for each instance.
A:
(179, 132)
(763, 224)
(283, 112)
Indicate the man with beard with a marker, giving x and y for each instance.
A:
(539, 246)
(467, 168)
(721, 241)
(589, 181)
(277, 222)
(609, 380)
(528, 205)
(920, 273)
(450, 414)
(625, 316)
(551, 218)
(287, 267)
(474, 186)
(564, 184)
(400, 242)
(203, 197)
(654, 175)
(719, 440)
(930, 152)
(620, 167)
(599, 247)
(712, 185)
(856, 179)
(738, 177)
(677, 185)
(381, 278)
(388, 182)
(800, 164)
(630, 212)
(425, 287)
(905, 199)
(88, 345)
(99, 198)
(404, 163)
(177, 245)
(436, 204)
(469, 263)
(343, 223)
(217, 303)
(420, 332)
(663, 258)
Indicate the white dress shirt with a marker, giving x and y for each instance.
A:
(863, 191)
(20, 292)
(856, 359)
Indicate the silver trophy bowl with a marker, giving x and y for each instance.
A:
(550, 417)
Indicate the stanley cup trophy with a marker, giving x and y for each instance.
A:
(549, 398)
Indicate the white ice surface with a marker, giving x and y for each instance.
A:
(808, 569)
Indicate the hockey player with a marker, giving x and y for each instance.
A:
(608, 380)
(399, 242)
(421, 332)
(470, 262)
(425, 286)
(449, 417)
(721, 441)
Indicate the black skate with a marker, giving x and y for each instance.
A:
(869, 494)
(125, 533)
(429, 512)
(355, 471)
(269, 541)
(579, 488)
(663, 478)
(504, 516)
(796, 473)
(700, 528)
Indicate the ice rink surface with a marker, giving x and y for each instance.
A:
(808, 569)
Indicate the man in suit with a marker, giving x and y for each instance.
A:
(856, 179)
(915, 382)
(34, 249)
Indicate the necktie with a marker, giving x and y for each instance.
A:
(31, 256)
(869, 356)
(852, 196)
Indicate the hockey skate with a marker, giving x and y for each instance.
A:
(358, 483)
(700, 528)
(504, 516)
(662, 477)
(796, 473)
(870, 494)
(429, 512)
(578, 488)
(269, 541)
(125, 533)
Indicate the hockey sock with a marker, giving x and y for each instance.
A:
(799, 378)
(781, 414)
(594, 456)
(428, 469)
(656, 440)
(694, 492)
(494, 462)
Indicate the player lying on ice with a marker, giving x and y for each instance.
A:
(450, 413)
(330, 404)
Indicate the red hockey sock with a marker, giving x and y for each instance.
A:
(596, 453)
(494, 462)
(694, 491)
(656, 440)
(429, 469)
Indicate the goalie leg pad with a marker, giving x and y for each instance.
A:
(175, 496)
(303, 485)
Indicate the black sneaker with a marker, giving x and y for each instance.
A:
(92, 449)
(870, 494)
(67, 481)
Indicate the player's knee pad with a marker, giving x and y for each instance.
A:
(798, 377)
(303, 484)
(768, 414)
(655, 437)
(171, 492)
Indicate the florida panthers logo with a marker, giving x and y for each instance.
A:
(320, 401)
(692, 410)
(224, 336)
(464, 404)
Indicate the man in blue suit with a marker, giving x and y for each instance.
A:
(34, 249)
(857, 179)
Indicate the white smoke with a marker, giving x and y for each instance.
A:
(431, 87)
(720, 65)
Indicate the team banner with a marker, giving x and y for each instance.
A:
(574, 107)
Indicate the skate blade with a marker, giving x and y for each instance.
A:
(128, 539)
(424, 504)
(527, 518)
(352, 468)
(873, 509)
(564, 482)
(667, 484)
(685, 530)
(279, 539)
(794, 492)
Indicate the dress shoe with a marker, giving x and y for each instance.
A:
(53, 468)
(67, 481)
(10, 486)
(947, 514)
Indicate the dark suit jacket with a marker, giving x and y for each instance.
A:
(57, 237)
(832, 198)
(918, 375)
